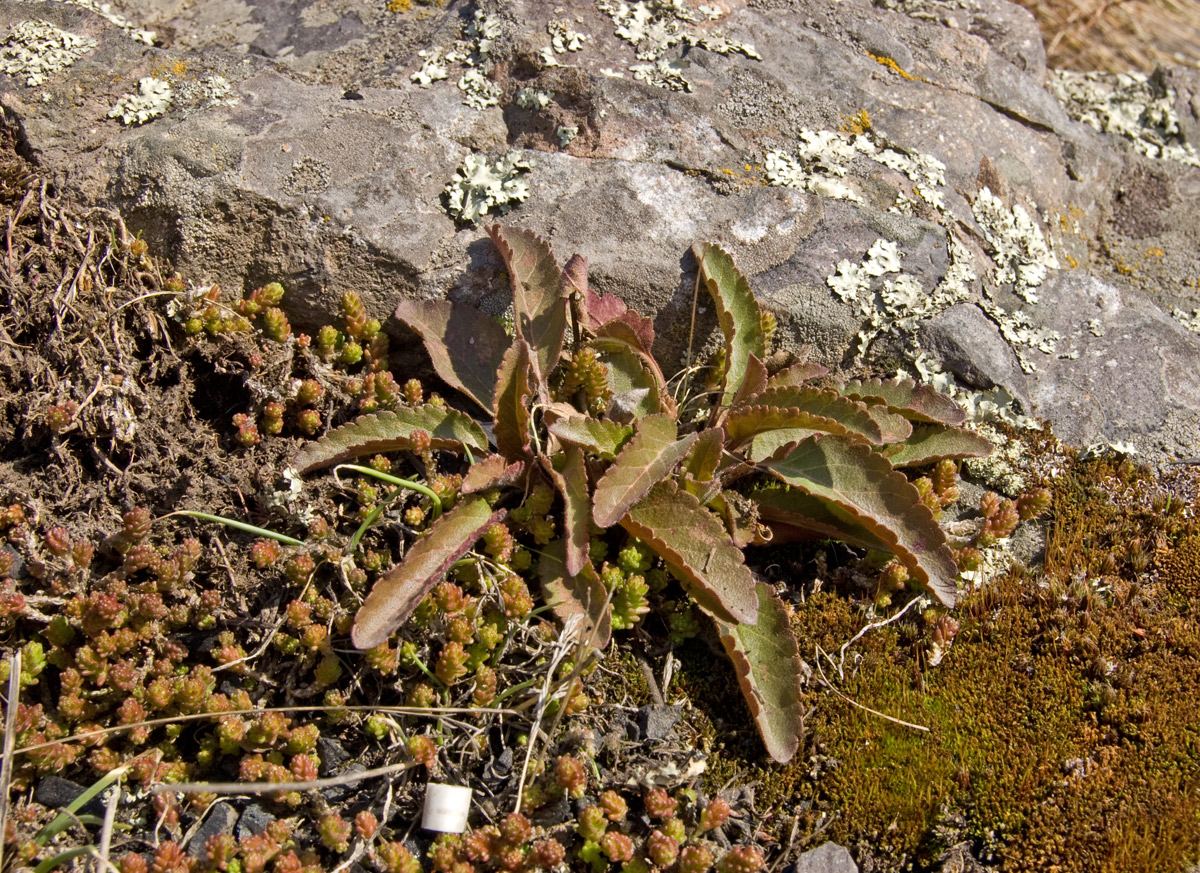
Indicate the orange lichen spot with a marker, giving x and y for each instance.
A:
(399, 5)
(884, 60)
(1154, 252)
(860, 122)
(1072, 262)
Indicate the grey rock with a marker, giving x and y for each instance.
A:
(825, 858)
(657, 722)
(54, 792)
(221, 819)
(253, 821)
(333, 755)
(972, 348)
(1137, 381)
(287, 178)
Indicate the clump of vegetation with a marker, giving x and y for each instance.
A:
(746, 458)
(154, 659)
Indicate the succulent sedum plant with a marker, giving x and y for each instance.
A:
(581, 416)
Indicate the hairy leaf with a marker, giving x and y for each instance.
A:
(769, 671)
(397, 593)
(814, 405)
(539, 308)
(737, 312)
(464, 345)
(632, 333)
(764, 445)
(794, 515)
(797, 374)
(913, 401)
(581, 594)
(702, 461)
(747, 422)
(494, 471)
(893, 427)
(754, 383)
(388, 431)
(932, 442)
(696, 547)
(637, 392)
(570, 478)
(647, 458)
(511, 410)
(596, 435)
(863, 483)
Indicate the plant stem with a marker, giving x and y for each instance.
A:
(396, 480)
(239, 525)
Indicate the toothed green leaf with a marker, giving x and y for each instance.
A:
(647, 458)
(389, 431)
(510, 406)
(539, 307)
(769, 672)
(792, 515)
(397, 593)
(796, 374)
(464, 345)
(737, 312)
(932, 442)
(915, 402)
(570, 478)
(696, 547)
(494, 471)
(816, 408)
(863, 483)
(581, 594)
(596, 435)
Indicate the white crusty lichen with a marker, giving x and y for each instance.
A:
(481, 186)
(823, 158)
(563, 38)
(433, 68)
(472, 52)
(153, 98)
(653, 27)
(104, 10)
(1021, 252)
(36, 50)
(533, 99)
(1135, 106)
(1191, 322)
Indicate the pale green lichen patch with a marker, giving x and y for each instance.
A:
(104, 10)
(823, 158)
(481, 186)
(994, 404)
(1191, 322)
(472, 52)
(1020, 250)
(36, 50)
(563, 38)
(654, 27)
(1134, 106)
(533, 99)
(153, 98)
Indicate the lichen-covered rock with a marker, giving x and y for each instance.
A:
(875, 169)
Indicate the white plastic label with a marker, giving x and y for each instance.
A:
(446, 808)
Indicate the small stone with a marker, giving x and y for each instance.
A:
(656, 722)
(253, 821)
(221, 820)
(55, 792)
(333, 755)
(826, 858)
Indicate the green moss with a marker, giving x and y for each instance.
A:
(1062, 730)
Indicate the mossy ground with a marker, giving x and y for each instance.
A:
(1063, 724)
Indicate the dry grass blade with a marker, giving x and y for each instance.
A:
(10, 740)
(271, 787)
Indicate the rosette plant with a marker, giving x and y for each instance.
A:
(577, 403)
